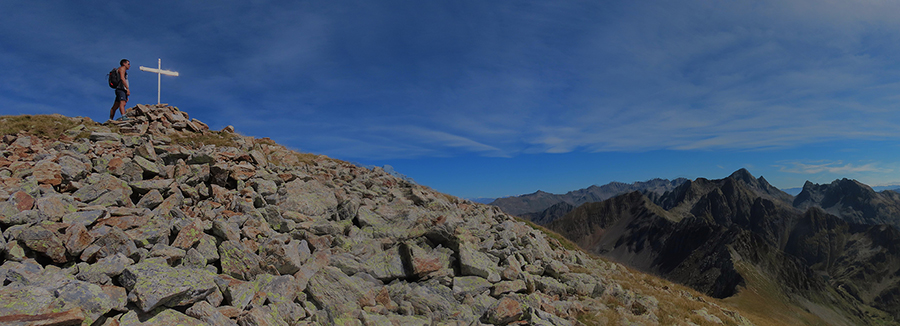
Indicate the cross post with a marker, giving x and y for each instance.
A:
(159, 72)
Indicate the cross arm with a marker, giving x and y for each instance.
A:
(160, 71)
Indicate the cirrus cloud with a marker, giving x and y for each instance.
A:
(834, 167)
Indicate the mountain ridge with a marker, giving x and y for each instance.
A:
(722, 236)
(539, 201)
(853, 201)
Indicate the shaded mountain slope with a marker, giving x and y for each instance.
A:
(548, 215)
(722, 236)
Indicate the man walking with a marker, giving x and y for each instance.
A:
(122, 90)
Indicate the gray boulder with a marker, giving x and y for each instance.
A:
(386, 265)
(285, 257)
(77, 238)
(424, 261)
(260, 316)
(168, 317)
(193, 258)
(263, 187)
(474, 262)
(104, 269)
(277, 289)
(504, 311)
(145, 186)
(469, 286)
(239, 262)
(72, 169)
(207, 247)
(85, 218)
(155, 230)
(338, 293)
(146, 166)
(226, 230)
(151, 199)
(24, 217)
(113, 242)
(152, 284)
(90, 298)
(307, 197)
(40, 239)
(436, 301)
(27, 300)
(105, 136)
(104, 189)
(54, 207)
(202, 310)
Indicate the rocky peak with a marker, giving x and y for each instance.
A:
(687, 192)
(743, 175)
(851, 200)
(761, 187)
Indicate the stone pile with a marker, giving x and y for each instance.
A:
(131, 229)
(158, 119)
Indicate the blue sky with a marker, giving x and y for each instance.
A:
(496, 98)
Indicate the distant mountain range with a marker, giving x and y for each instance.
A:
(797, 190)
(542, 207)
(883, 188)
(539, 201)
(483, 200)
(832, 251)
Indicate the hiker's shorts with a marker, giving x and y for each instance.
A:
(121, 95)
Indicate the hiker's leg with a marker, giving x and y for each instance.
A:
(122, 107)
(112, 111)
(121, 99)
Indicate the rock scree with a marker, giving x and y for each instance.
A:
(149, 222)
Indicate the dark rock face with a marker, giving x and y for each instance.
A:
(706, 232)
(852, 201)
(550, 214)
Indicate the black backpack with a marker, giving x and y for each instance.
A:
(114, 79)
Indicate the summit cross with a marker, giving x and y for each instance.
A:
(159, 72)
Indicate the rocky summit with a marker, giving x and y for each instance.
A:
(158, 220)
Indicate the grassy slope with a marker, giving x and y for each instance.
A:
(761, 302)
(51, 126)
(766, 303)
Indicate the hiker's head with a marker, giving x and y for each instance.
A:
(123, 62)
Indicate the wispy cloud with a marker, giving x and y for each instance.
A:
(422, 135)
(833, 167)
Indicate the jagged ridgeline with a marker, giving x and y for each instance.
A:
(830, 256)
(161, 221)
(543, 207)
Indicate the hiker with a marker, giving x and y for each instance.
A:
(122, 90)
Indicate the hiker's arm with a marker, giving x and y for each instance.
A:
(124, 81)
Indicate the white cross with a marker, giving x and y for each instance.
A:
(159, 72)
